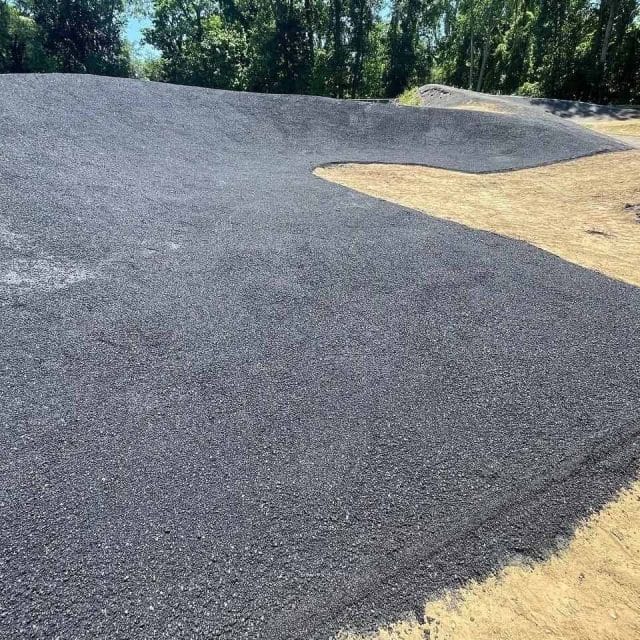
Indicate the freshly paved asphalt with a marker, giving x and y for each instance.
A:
(440, 95)
(239, 401)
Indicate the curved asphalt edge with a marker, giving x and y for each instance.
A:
(336, 163)
(343, 609)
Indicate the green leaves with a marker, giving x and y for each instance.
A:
(81, 36)
(575, 49)
(286, 46)
(549, 48)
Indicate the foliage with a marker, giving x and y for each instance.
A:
(21, 43)
(574, 49)
(63, 35)
(410, 98)
(530, 90)
(82, 36)
(198, 47)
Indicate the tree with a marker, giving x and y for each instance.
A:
(289, 50)
(403, 45)
(337, 50)
(513, 51)
(577, 49)
(82, 36)
(197, 46)
(361, 18)
(613, 42)
(21, 43)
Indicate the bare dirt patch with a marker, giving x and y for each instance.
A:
(582, 211)
(489, 107)
(614, 127)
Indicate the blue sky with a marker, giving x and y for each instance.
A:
(134, 35)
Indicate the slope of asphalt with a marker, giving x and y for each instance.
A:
(577, 109)
(239, 401)
(532, 109)
(440, 95)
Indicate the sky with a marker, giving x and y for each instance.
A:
(134, 35)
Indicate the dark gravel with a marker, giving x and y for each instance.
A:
(239, 401)
(440, 95)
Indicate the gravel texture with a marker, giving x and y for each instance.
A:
(239, 401)
(441, 95)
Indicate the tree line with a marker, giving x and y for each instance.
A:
(574, 49)
(69, 36)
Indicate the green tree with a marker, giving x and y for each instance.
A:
(337, 49)
(513, 52)
(577, 49)
(404, 41)
(287, 51)
(82, 36)
(375, 62)
(581, 49)
(21, 43)
(197, 47)
(613, 45)
(361, 19)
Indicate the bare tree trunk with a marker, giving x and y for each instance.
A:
(483, 65)
(309, 18)
(356, 76)
(471, 63)
(338, 50)
(607, 33)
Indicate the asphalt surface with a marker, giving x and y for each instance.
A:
(239, 401)
(440, 95)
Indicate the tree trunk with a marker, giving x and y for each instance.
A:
(338, 52)
(607, 33)
(483, 64)
(471, 63)
(309, 18)
(362, 21)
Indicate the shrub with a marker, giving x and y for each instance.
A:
(410, 98)
(530, 90)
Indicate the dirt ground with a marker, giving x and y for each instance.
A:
(625, 129)
(615, 127)
(585, 211)
(490, 107)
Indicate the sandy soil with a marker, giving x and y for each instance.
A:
(585, 211)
